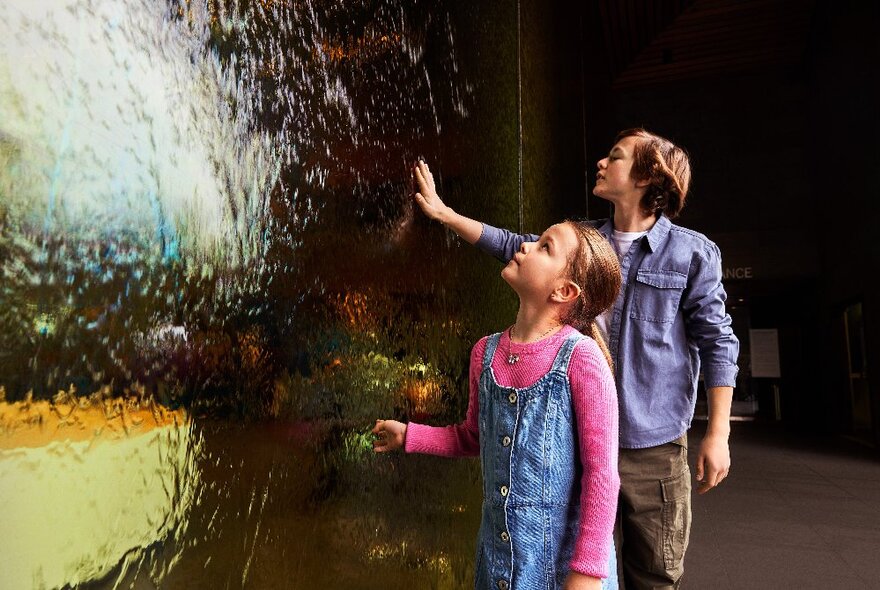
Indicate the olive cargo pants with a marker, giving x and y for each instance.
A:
(654, 515)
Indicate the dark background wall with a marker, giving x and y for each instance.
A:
(776, 101)
(843, 103)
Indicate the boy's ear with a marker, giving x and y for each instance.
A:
(566, 292)
(643, 183)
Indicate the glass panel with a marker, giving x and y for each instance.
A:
(745, 398)
(214, 281)
(859, 389)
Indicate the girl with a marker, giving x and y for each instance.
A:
(542, 415)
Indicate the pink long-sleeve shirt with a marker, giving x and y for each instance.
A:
(594, 397)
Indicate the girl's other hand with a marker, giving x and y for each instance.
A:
(426, 196)
(390, 435)
(579, 581)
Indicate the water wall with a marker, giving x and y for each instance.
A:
(213, 280)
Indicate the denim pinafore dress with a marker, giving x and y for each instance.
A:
(531, 480)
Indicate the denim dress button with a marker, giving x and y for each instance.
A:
(505, 441)
(502, 585)
(504, 491)
(505, 537)
(512, 398)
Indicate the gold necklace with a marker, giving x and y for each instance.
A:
(512, 359)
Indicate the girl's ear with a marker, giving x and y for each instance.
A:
(568, 291)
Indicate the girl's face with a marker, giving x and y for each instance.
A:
(614, 181)
(539, 268)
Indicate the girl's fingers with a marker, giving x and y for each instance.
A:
(381, 441)
(383, 446)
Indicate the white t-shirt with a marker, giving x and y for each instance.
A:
(621, 241)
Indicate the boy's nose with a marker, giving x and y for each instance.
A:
(524, 247)
(600, 164)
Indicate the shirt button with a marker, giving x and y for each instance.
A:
(505, 537)
(512, 398)
(505, 441)
(502, 585)
(504, 490)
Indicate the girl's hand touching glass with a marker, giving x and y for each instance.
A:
(390, 435)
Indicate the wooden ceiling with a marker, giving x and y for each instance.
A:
(658, 41)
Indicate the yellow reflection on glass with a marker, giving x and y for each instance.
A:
(86, 483)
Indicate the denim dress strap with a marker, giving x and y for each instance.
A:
(563, 357)
(491, 345)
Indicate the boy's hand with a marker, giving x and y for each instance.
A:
(426, 196)
(713, 462)
(429, 202)
(391, 435)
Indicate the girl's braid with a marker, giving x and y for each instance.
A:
(594, 268)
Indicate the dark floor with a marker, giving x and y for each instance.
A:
(795, 512)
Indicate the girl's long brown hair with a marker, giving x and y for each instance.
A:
(594, 268)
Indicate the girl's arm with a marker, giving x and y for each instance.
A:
(594, 397)
(496, 242)
(458, 440)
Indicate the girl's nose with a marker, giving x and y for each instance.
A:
(524, 247)
(601, 164)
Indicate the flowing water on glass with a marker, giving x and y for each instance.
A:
(212, 282)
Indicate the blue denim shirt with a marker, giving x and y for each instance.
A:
(667, 323)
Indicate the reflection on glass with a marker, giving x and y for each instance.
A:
(88, 483)
(212, 283)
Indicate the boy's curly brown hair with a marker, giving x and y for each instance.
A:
(665, 166)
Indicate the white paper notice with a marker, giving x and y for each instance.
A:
(765, 352)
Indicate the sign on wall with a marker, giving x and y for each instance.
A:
(738, 272)
(764, 346)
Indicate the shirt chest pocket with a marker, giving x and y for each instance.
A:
(657, 294)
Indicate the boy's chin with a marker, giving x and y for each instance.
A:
(600, 192)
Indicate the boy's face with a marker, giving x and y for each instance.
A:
(614, 181)
(540, 267)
